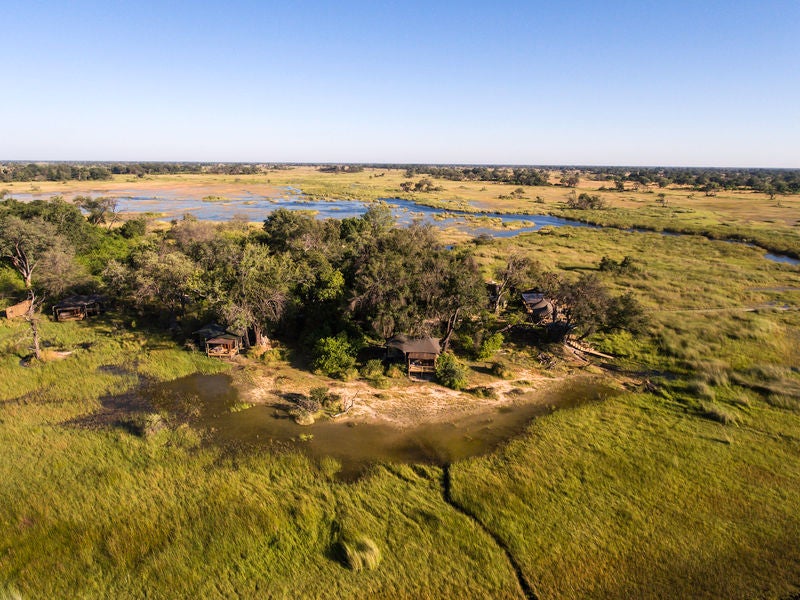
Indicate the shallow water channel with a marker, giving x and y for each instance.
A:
(256, 207)
(209, 403)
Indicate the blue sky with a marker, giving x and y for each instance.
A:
(635, 83)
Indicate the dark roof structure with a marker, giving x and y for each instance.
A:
(420, 345)
(537, 304)
(215, 330)
(80, 301)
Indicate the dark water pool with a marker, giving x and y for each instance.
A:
(209, 401)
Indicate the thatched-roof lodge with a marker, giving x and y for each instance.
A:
(537, 305)
(218, 341)
(77, 308)
(18, 310)
(419, 353)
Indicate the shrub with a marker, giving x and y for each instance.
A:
(133, 228)
(319, 395)
(489, 346)
(145, 424)
(373, 369)
(451, 372)
(626, 266)
(334, 356)
(381, 383)
(500, 369)
(586, 202)
(333, 402)
(395, 370)
(483, 392)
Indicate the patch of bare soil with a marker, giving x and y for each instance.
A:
(406, 403)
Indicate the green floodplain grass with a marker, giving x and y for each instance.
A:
(685, 488)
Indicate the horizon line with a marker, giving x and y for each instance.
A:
(389, 165)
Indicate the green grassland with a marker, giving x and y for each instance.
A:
(686, 485)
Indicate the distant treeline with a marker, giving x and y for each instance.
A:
(66, 171)
(341, 168)
(781, 181)
(516, 176)
(773, 181)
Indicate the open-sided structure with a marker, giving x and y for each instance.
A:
(77, 308)
(218, 341)
(419, 353)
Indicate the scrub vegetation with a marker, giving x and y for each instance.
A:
(685, 485)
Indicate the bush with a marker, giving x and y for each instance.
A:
(133, 228)
(334, 356)
(319, 395)
(626, 266)
(395, 370)
(500, 369)
(484, 392)
(451, 372)
(302, 417)
(333, 402)
(586, 202)
(489, 346)
(145, 424)
(373, 369)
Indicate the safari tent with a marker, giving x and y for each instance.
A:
(537, 305)
(419, 353)
(77, 308)
(218, 341)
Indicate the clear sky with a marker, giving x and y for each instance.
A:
(696, 82)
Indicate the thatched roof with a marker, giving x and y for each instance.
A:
(422, 345)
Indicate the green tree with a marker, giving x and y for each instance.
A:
(451, 372)
(334, 356)
(518, 273)
(259, 291)
(26, 244)
(99, 210)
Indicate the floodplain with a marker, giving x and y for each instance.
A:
(683, 482)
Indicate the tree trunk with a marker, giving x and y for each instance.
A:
(30, 316)
(451, 325)
(261, 338)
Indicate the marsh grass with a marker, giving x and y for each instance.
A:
(360, 553)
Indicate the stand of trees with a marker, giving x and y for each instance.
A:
(516, 175)
(768, 181)
(67, 171)
(328, 284)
